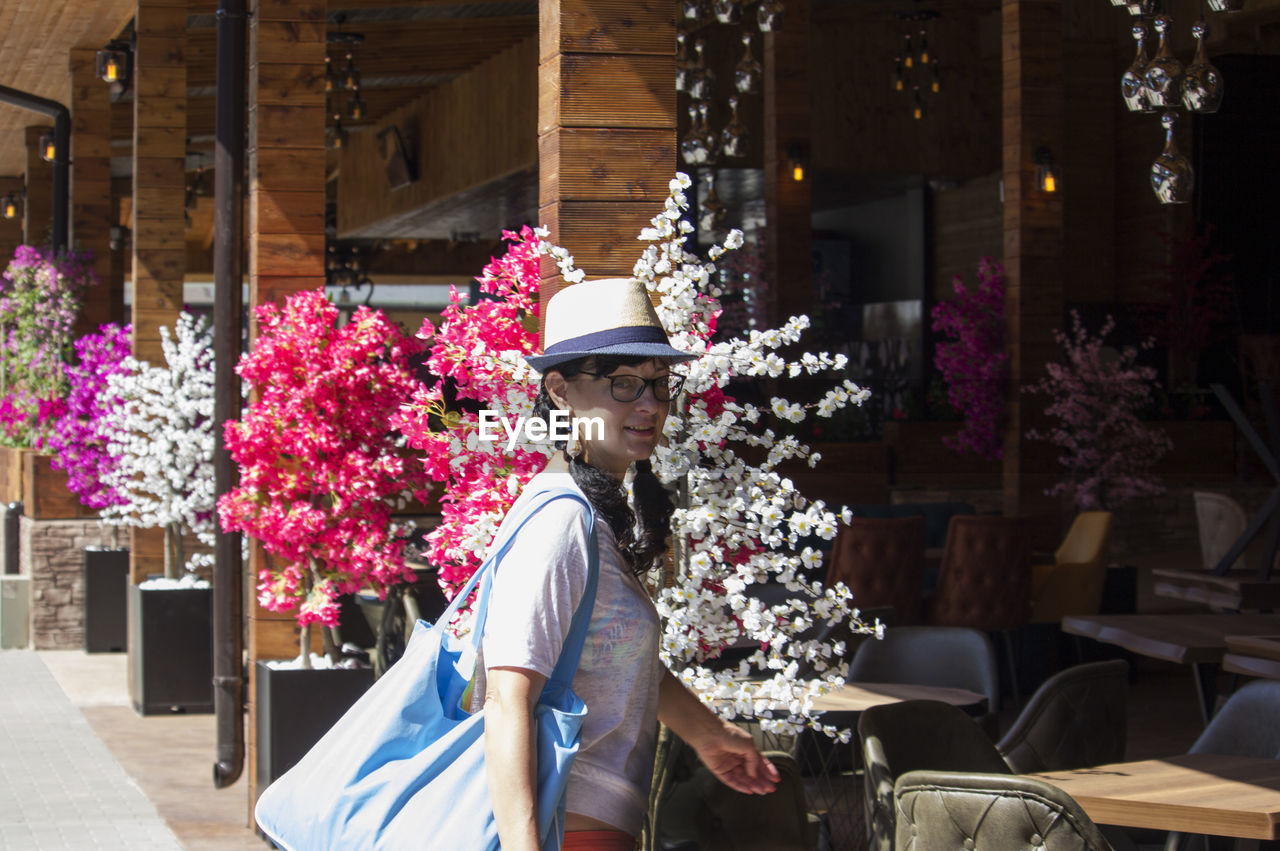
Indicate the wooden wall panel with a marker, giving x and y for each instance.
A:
(967, 223)
(1033, 250)
(37, 211)
(456, 145)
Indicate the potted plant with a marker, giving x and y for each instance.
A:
(79, 440)
(161, 435)
(320, 474)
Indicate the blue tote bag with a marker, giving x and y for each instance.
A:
(404, 767)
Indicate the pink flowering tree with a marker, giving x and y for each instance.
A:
(972, 360)
(320, 468)
(40, 297)
(79, 438)
(1095, 396)
(481, 479)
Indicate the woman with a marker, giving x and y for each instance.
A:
(606, 357)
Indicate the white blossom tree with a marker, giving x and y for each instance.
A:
(162, 435)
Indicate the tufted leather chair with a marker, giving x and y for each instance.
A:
(916, 734)
(1076, 719)
(946, 811)
(984, 581)
(1072, 585)
(882, 562)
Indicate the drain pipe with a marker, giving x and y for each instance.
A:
(62, 156)
(228, 238)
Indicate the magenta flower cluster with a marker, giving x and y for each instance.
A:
(40, 297)
(79, 439)
(973, 361)
(1095, 395)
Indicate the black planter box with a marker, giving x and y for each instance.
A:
(106, 579)
(171, 650)
(295, 708)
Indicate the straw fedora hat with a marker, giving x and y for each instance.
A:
(613, 316)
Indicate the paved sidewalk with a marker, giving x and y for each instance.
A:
(59, 785)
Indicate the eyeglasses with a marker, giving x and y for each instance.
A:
(628, 388)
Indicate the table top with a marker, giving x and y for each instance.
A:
(1253, 655)
(1175, 637)
(1194, 793)
(1238, 589)
(855, 697)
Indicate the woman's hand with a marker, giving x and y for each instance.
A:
(733, 758)
(728, 751)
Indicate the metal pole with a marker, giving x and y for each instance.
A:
(228, 235)
(62, 156)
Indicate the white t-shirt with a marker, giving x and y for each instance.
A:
(536, 590)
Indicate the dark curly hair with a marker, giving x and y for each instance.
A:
(641, 533)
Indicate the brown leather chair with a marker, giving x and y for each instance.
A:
(881, 560)
(984, 581)
(945, 810)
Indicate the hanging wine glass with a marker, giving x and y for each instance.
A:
(683, 63)
(1133, 86)
(1202, 85)
(691, 10)
(1163, 77)
(701, 79)
(727, 11)
(769, 15)
(711, 212)
(693, 147)
(1226, 5)
(746, 76)
(1144, 8)
(710, 142)
(1119, 2)
(733, 139)
(1172, 177)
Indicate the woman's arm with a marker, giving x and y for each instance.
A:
(510, 760)
(725, 749)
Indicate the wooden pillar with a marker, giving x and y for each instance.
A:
(37, 209)
(10, 229)
(91, 184)
(158, 232)
(1033, 248)
(285, 225)
(606, 128)
(788, 249)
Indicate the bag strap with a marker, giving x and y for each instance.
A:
(571, 651)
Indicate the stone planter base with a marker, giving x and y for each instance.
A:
(170, 650)
(295, 708)
(106, 579)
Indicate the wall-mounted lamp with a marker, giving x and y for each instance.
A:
(337, 135)
(10, 205)
(1047, 176)
(796, 159)
(48, 147)
(114, 65)
(356, 107)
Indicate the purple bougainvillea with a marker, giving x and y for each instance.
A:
(78, 437)
(973, 360)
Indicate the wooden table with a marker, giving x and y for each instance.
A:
(1253, 655)
(1238, 589)
(1193, 639)
(1193, 793)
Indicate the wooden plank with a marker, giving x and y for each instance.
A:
(278, 212)
(287, 254)
(601, 235)
(160, 142)
(279, 126)
(608, 26)
(45, 495)
(588, 90)
(1194, 793)
(287, 42)
(292, 10)
(284, 169)
(298, 85)
(605, 164)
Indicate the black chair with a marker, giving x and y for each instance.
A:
(947, 656)
(1077, 718)
(945, 811)
(916, 734)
